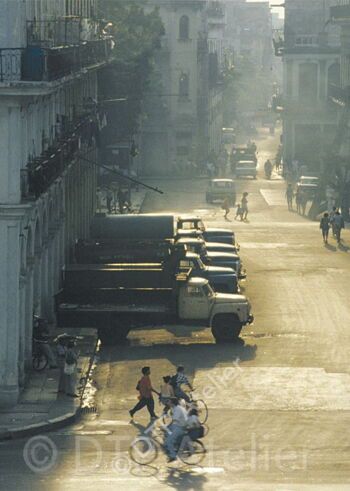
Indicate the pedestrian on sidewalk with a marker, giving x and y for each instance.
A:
(289, 196)
(226, 207)
(338, 225)
(298, 200)
(41, 336)
(324, 226)
(145, 389)
(70, 369)
(109, 199)
(61, 358)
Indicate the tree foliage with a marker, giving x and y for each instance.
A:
(137, 35)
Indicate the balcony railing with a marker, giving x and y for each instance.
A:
(42, 171)
(37, 64)
(64, 31)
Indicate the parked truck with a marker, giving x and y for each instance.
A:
(115, 311)
(193, 226)
(133, 274)
(211, 257)
(156, 227)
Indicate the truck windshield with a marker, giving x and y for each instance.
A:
(208, 291)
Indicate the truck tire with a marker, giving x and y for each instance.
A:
(110, 336)
(226, 328)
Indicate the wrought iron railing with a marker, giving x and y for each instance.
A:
(42, 171)
(64, 31)
(37, 64)
(10, 65)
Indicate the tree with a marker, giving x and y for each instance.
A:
(137, 35)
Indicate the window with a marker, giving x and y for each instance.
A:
(195, 291)
(184, 27)
(185, 264)
(184, 85)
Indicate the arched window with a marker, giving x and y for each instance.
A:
(184, 85)
(184, 27)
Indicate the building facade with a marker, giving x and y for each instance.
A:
(184, 114)
(311, 68)
(50, 53)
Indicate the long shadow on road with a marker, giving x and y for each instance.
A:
(195, 355)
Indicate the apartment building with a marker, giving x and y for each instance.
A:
(50, 53)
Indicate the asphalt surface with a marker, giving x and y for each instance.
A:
(279, 404)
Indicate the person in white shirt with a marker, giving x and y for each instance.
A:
(176, 429)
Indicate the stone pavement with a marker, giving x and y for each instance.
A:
(40, 408)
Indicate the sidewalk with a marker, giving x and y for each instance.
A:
(40, 408)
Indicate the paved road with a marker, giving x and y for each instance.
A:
(279, 418)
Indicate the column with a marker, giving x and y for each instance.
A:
(9, 309)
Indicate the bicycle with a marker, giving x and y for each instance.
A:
(39, 358)
(145, 449)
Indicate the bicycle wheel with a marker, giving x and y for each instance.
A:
(191, 452)
(202, 409)
(143, 450)
(40, 362)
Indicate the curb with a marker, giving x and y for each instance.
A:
(53, 423)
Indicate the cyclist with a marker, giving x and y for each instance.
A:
(177, 381)
(176, 430)
(166, 393)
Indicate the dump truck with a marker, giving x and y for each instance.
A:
(115, 310)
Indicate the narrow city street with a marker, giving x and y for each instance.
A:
(279, 404)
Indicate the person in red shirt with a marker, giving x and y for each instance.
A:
(144, 386)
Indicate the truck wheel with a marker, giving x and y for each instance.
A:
(113, 335)
(226, 328)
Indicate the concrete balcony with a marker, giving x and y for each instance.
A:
(38, 64)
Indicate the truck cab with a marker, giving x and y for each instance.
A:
(222, 279)
(193, 226)
(211, 258)
(227, 313)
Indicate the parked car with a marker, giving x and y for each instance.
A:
(220, 189)
(228, 135)
(308, 185)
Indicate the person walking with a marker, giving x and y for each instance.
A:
(298, 201)
(324, 226)
(289, 196)
(109, 199)
(338, 224)
(226, 206)
(244, 206)
(145, 389)
(331, 221)
(303, 202)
